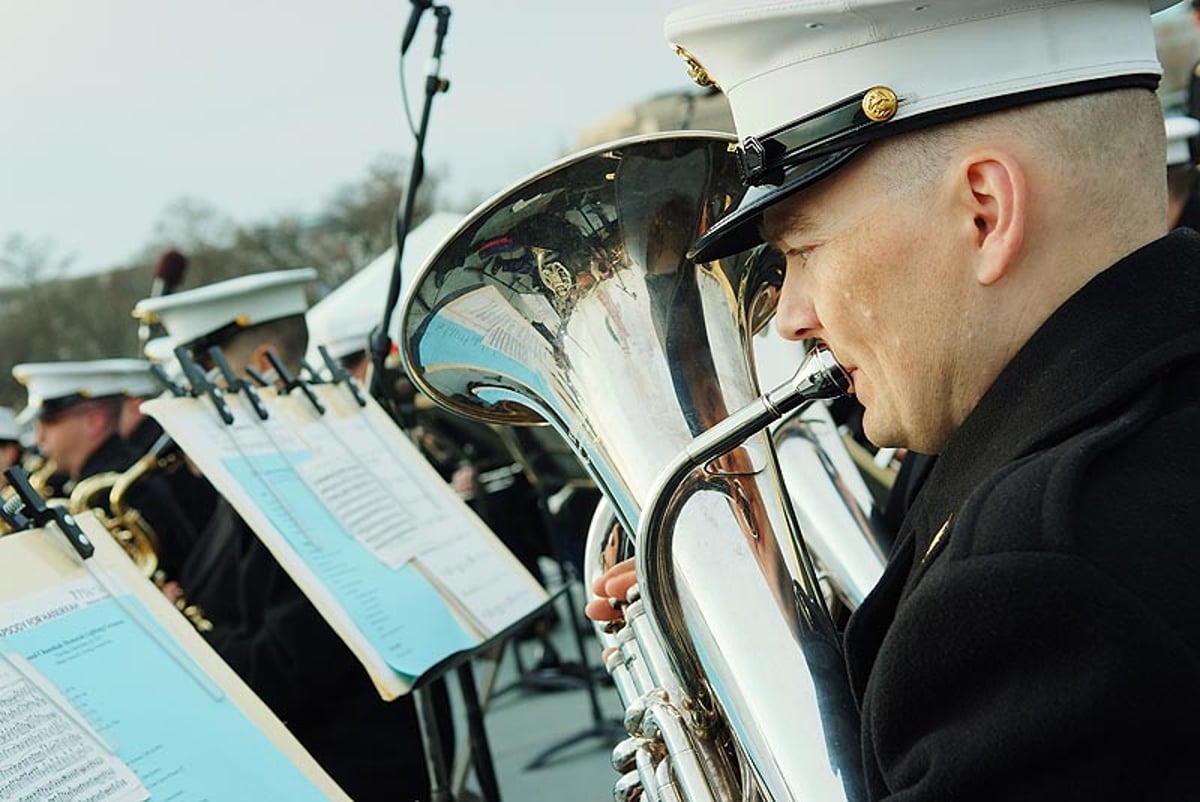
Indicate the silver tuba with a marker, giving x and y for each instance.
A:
(568, 299)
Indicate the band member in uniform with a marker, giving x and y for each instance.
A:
(193, 493)
(263, 626)
(78, 405)
(971, 201)
(140, 431)
(11, 450)
(1183, 204)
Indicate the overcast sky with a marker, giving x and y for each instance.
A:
(109, 110)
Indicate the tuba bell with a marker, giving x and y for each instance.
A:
(569, 299)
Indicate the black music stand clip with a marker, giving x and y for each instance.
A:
(35, 513)
(339, 375)
(200, 385)
(290, 382)
(237, 384)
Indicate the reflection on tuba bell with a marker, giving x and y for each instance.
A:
(569, 299)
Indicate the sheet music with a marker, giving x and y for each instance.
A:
(387, 552)
(484, 319)
(47, 749)
(375, 497)
(464, 559)
(101, 663)
(394, 620)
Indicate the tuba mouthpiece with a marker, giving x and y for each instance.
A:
(819, 376)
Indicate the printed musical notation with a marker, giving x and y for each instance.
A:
(103, 700)
(386, 551)
(48, 754)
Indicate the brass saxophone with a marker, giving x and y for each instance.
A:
(41, 471)
(568, 299)
(107, 495)
(128, 527)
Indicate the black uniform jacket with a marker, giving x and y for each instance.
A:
(153, 498)
(273, 637)
(196, 497)
(1036, 635)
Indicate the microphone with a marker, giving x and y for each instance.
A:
(168, 273)
(419, 8)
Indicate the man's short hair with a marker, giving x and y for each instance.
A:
(287, 335)
(110, 406)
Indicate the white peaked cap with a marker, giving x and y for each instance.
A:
(160, 350)
(64, 383)
(343, 319)
(1179, 131)
(236, 303)
(26, 417)
(9, 430)
(350, 342)
(810, 82)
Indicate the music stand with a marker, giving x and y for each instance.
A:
(565, 465)
(441, 785)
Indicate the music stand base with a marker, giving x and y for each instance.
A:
(608, 730)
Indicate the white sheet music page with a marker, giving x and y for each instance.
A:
(46, 754)
(391, 513)
(48, 751)
(453, 547)
(502, 328)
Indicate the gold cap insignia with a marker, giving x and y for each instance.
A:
(555, 276)
(696, 72)
(880, 104)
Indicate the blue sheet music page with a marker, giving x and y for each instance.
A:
(147, 702)
(398, 610)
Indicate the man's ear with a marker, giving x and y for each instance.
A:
(100, 422)
(996, 197)
(259, 360)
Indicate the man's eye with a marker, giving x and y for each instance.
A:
(799, 258)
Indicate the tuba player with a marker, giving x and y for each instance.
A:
(971, 201)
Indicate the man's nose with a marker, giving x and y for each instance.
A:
(796, 315)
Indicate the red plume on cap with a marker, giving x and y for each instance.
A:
(169, 269)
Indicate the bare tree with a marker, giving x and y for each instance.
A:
(27, 262)
(49, 317)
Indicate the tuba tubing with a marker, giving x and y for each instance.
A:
(569, 299)
(654, 649)
(818, 377)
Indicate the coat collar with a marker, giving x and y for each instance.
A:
(112, 455)
(1093, 352)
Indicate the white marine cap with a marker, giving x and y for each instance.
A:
(54, 386)
(343, 319)
(10, 431)
(1179, 131)
(26, 418)
(811, 82)
(160, 350)
(211, 313)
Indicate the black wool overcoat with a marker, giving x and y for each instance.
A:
(1036, 635)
